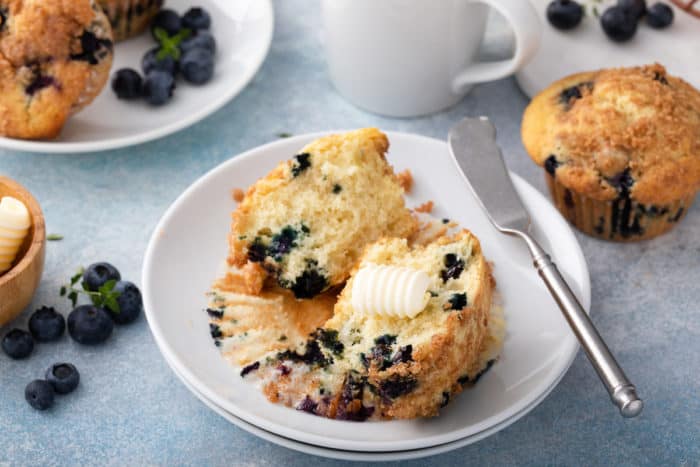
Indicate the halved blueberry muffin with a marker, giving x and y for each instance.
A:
(620, 149)
(130, 17)
(306, 223)
(356, 365)
(54, 60)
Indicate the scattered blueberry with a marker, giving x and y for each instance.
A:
(127, 84)
(153, 62)
(46, 324)
(203, 40)
(89, 325)
(168, 20)
(564, 14)
(196, 18)
(197, 66)
(618, 24)
(130, 302)
(64, 377)
(158, 87)
(39, 394)
(17, 344)
(635, 8)
(97, 274)
(659, 16)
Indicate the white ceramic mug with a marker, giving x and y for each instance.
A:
(406, 58)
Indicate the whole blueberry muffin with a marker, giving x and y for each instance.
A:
(54, 60)
(130, 17)
(359, 365)
(620, 149)
(307, 222)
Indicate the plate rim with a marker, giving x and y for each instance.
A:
(350, 455)
(308, 438)
(53, 147)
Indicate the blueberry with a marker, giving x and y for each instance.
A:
(17, 344)
(46, 324)
(168, 20)
(64, 377)
(659, 15)
(454, 265)
(196, 18)
(89, 325)
(551, 164)
(635, 8)
(152, 61)
(203, 40)
(619, 25)
(158, 87)
(310, 283)
(301, 162)
(97, 274)
(197, 66)
(39, 394)
(130, 302)
(127, 84)
(564, 14)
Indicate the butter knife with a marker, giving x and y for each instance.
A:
(474, 150)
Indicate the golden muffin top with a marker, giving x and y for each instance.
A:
(618, 132)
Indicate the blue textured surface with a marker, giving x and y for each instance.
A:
(130, 408)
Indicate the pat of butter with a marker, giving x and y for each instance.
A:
(14, 214)
(14, 225)
(390, 291)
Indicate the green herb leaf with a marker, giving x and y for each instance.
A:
(112, 304)
(284, 135)
(73, 297)
(63, 291)
(54, 237)
(76, 277)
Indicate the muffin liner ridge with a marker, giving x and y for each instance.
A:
(620, 220)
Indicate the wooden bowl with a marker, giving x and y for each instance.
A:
(18, 284)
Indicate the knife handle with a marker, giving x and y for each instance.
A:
(621, 390)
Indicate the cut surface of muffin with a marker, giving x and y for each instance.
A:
(357, 366)
(308, 220)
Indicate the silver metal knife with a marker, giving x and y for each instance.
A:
(473, 147)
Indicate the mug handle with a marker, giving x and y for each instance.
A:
(525, 23)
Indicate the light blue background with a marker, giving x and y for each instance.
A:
(130, 408)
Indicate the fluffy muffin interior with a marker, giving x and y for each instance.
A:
(357, 366)
(307, 222)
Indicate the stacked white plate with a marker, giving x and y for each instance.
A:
(189, 244)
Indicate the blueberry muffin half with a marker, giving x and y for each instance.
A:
(361, 365)
(130, 17)
(306, 223)
(620, 149)
(54, 60)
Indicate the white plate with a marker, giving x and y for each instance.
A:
(243, 30)
(353, 455)
(189, 245)
(587, 48)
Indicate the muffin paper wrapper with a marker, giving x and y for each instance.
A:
(622, 219)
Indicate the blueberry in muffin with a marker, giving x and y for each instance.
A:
(54, 60)
(620, 149)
